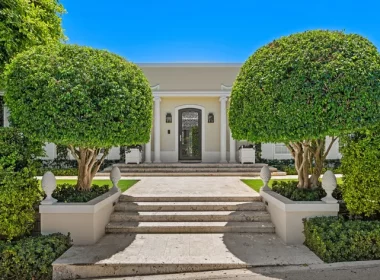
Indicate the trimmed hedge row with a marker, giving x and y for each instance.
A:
(31, 257)
(69, 193)
(337, 240)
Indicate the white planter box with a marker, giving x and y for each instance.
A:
(134, 156)
(86, 222)
(247, 155)
(287, 215)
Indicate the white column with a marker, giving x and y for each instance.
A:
(148, 152)
(157, 129)
(232, 149)
(223, 128)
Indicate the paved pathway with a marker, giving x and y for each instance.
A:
(138, 254)
(191, 186)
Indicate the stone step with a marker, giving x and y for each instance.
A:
(190, 206)
(182, 216)
(188, 165)
(188, 174)
(127, 198)
(190, 170)
(190, 227)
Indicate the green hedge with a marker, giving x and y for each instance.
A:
(337, 240)
(290, 190)
(31, 257)
(69, 193)
(59, 171)
(361, 169)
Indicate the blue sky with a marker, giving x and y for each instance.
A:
(208, 31)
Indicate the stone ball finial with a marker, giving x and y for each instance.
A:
(115, 177)
(49, 184)
(329, 185)
(265, 175)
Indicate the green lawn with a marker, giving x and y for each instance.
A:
(123, 184)
(256, 184)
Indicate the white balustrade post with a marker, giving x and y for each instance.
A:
(232, 149)
(329, 185)
(115, 177)
(223, 128)
(265, 175)
(49, 184)
(157, 130)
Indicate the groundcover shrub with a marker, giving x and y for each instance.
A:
(361, 169)
(31, 257)
(336, 239)
(290, 190)
(69, 193)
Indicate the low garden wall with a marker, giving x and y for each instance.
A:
(85, 222)
(287, 215)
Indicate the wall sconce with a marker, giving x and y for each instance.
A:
(168, 118)
(210, 117)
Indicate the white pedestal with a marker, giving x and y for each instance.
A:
(247, 155)
(134, 156)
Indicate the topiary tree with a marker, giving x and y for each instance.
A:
(24, 24)
(361, 169)
(303, 87)
(80, 97)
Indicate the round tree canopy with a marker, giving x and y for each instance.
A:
(78, 96)
(306, 86)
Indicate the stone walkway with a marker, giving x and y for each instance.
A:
(191, 187)
(144, 253)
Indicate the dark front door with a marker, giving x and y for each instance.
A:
(190, 134)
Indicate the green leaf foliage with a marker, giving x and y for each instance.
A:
(24, 24)
(18, 151)
(306, 86)
(19, 194)
(74, 95)
(337, 240)
(361, 171)
(31, 257)
(69, 193)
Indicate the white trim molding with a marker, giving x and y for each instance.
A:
(217, 93)
(224, 87)
(176, 130)
(156, 87)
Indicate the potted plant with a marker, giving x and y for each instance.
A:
(247, 154)
(133, 154)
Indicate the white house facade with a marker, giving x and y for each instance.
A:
(190, 116)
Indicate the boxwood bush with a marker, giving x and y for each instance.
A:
(337, 240)
(361, 169)
(290, 190)
(69, 193)
(31, 257)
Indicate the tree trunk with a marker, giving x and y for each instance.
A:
(318, 156)
(88, 165)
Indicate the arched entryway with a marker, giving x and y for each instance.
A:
(190, 132)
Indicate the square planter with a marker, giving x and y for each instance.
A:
(246, 155)
(133, 156)
(86, 222)
(287, 215)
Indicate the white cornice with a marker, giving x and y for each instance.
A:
(173, 65)
(224, 87)
(191, 93)
(156, 87)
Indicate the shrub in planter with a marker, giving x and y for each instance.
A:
(19, 193)
(31, 257)
(361, 169)
(290, 190)
(336, 240)
(68, 193)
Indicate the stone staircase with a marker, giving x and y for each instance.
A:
(190, 169)
(190, 215)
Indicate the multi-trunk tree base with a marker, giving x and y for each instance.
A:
(88, 165)
(309, 156)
